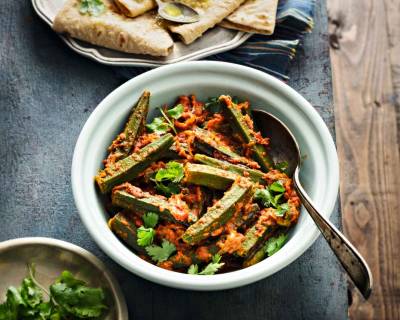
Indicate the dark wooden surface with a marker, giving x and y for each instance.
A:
(46, 94)
(365, 52)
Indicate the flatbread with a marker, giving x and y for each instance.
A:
(113, 30)
(256, 16)
(134, 8)
(210, 16)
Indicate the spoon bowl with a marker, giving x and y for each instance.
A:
(284, 147)
(177, 12)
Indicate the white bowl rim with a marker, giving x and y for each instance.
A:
(219, 281)
(120, 303)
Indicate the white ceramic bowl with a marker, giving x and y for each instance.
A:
(319, 173)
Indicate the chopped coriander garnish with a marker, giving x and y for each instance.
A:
(274, 244)
(92, 7)
(265, 196)
(193, 269)
(282, 209)
(150, 219)
(173, 172)
(167, 179)
(158, 126)
(176, 112)
(160, 254)
(271, 197)
(169, 122)
(145, 236)
(210, 269)
(277, 186)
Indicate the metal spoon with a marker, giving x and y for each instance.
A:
(284, 147)
(177, 12)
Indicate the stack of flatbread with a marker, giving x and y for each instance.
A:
(133, 26)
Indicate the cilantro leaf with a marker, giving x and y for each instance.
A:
(193, 269)
(213, 266)
(75, 299)
(282, 209)
(92, 7)
(14, 301)
(176, 112)
(145, 236)
(172, 172)
(271, 195)
(277, 186)
(264, 196)
(160, 254)
(274, 244)
(282, 166)
(150, 219)
(210, 269)
(31, 293)
(8, 311)
(167, 179)
(158, 126)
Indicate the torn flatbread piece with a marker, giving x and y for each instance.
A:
(111, 29)
(134, 8)
(213, 14)
(256, 16)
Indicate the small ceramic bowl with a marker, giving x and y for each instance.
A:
(51, 257)
(319, 172)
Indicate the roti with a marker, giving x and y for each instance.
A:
(256, 16)
(111, 29)
(133, 8)
(214, 13)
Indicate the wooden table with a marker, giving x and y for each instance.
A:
(47, 93)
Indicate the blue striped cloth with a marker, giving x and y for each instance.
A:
(271, 54)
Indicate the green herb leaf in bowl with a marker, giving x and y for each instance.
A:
(75, 298)
(176, 112)
(160, 254)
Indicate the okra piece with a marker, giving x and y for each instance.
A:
(217, 215)
(252, 238)
(130, 167)
(145, 202)
(207, 141)
(208, 176)
(123, 143)
(252, 174)
(124, 227)
(240, 124)
(255, 258)
(245, 220)
(260, 253)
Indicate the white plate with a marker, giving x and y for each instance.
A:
(319, 172)
(51, 257)
(214, 41)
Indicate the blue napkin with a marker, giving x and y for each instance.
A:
(271, 54)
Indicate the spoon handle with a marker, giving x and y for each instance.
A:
(350, 258)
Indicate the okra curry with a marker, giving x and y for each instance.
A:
(194, 190)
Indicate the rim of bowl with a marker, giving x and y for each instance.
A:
(219, 281)
(120, 303)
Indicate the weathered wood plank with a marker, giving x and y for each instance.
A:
(365, 38)
(46, 94)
